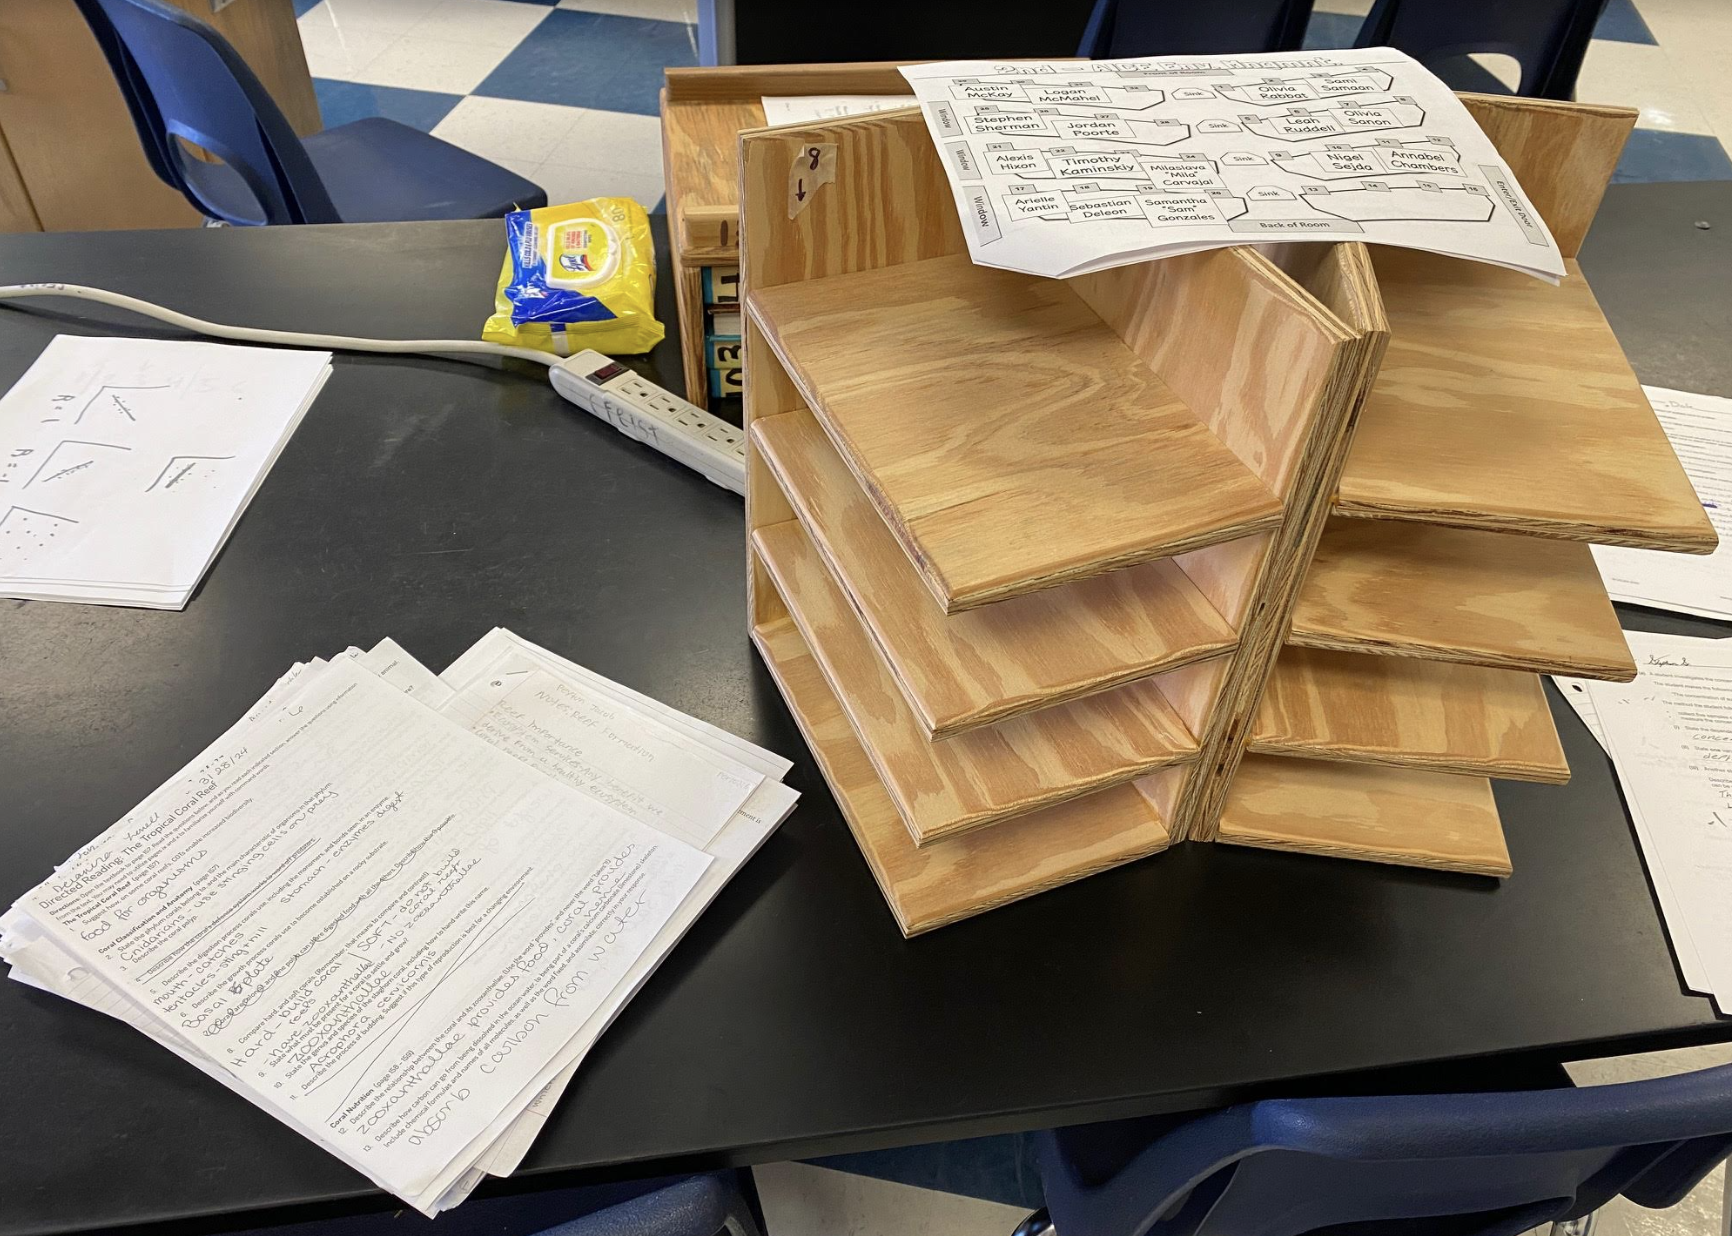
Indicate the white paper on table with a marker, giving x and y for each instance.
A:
(497, 901)
(805, 108)
(1670, 736)
(126, 463)
(496, 669)
(620, 755)
(1700, 429)
(1064, 167)
(483, 652)
(392, 662)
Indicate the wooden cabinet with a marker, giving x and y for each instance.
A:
(69, 155)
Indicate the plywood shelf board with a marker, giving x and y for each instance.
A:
(1409, 713)
(983, 776)
(1360, 811)
(929, 886)
(1505, 403)
(960, 671)
(1007, 436)
(1457, 594)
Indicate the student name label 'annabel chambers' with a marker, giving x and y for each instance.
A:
(384, 928)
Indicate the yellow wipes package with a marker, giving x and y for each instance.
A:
(575, 277)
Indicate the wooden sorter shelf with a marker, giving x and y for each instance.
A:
(1088, 462)
(1046, 569)
(982, 665)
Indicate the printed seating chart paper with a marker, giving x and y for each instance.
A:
(805, 108)
(126, 463)
(366, 913)
(1065, 167)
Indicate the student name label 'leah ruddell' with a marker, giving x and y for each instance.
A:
(382, 927)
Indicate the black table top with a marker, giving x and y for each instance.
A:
(431, 500)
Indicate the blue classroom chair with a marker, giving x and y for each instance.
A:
(1120, 28)
(183, 83)
(1423, 1165)
(1547, 38)
(696, 1206)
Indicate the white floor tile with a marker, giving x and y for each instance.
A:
(506, 129)
(432, 64)
(617, 141)
(816, 1201)
(379, 16)
(1697, 37)
(343, 53)
(486, 23)
(565, 183)
(1354, 8)
(1641, 75)
(661, 10)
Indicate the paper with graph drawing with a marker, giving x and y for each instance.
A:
(125, 463)
(1064, 167)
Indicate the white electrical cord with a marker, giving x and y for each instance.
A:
(250, 334)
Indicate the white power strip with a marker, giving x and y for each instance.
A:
(640, 409)
(637, 408)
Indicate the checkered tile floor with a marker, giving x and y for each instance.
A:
(563, 92)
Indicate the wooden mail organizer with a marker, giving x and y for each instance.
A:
(1266, 547)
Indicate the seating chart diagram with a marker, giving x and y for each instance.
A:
(1062, 167)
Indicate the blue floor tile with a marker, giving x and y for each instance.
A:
(341, 102)
(592, 60)
(1620, 20)
(1327, 31)
(303, 7)
(998, 1169)
(1652, 154)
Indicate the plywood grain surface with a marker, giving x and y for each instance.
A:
(985, 775)
(1459, 594)
(1008, 437)
(963, 670)
(1506, 403)
(929, 886)
(1380, 815)
(1419, 714)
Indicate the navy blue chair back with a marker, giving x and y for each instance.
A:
(1547, 38)
(1119, 28)
(1447, 1165)
(184, 81)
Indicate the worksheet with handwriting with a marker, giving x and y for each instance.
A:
(377, 925)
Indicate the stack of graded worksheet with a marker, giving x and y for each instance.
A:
(396, 909)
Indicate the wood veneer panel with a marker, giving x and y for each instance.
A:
(1416, 714)
(985, 775)
(1006, 434)
(983, 665)
(1505, 403)
(1380, 815)
(1459, 594)
(1562, 155)
(929, 886)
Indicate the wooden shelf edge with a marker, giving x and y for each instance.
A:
(1682, 542)
(1504, 770)
(874, 699)
(929, 887)
(816, 520)
(1368, 813)
(1609, 671)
